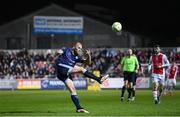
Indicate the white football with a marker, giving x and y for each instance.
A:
(116, 27)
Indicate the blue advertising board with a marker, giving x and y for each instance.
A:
(58, 25)
(79, 83)
(52, 84)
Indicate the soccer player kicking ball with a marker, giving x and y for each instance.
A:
(171, 79)
(66, 65)
(157, 64)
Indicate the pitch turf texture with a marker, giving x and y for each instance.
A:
(99, 103)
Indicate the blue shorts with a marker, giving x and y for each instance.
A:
(63, 74)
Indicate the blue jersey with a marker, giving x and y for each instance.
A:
(68, 59)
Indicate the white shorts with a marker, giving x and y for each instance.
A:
(157, 78)
(171, 82)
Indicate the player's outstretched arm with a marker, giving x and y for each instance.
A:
(58, 53)
(150, 65)
(166, 62)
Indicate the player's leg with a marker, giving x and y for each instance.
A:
(155, 88)
(173, 84)
(131, 78)
(155, 92)
(133, 92)
(124, 86)
(130, 89)
(160, 88)
(165, 88)
(169, 86)
(74, 96)
(134, 87)
(124, 89)
(171, 90)
(161, 82)
(63, 75)
(88, 74)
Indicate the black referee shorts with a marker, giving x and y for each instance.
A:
(130, 76)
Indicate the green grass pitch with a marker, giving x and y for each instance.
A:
(98, 103)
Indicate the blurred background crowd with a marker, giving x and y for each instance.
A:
(41, 63)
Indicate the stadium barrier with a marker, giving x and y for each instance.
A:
(141, 82)
(28, 84)
(80, 83)
(8, 84)
(52, 84)
(112, 83)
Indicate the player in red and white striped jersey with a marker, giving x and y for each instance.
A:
(157, 64)
(171, 78)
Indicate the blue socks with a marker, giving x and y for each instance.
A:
(75, 100)
(123, 91)
(92, 76)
